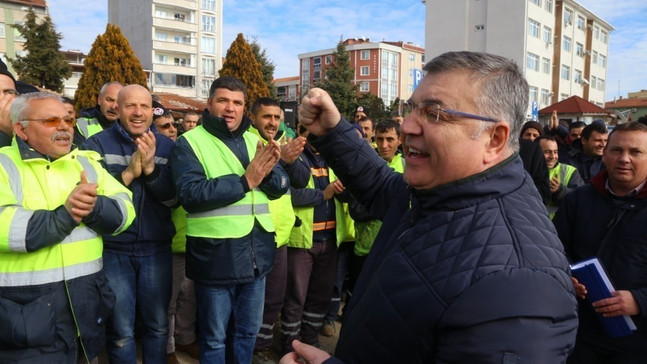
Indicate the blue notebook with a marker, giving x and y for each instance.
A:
(592, 275)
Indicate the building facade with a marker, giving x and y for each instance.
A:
(388, 70)
(287, 88)
(14, 12)
(180, 41)
(562, 47)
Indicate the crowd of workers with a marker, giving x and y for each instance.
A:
(121, 225)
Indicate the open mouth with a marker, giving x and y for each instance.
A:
(416, 153)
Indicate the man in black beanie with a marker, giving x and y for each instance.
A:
(7, 94)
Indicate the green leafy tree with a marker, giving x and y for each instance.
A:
(241, 62)
(110, 59)
(338, 82)
(378, 111)
(43, 65)
(267, 66)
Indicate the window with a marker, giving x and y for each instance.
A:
(16, 33)
(160, 58)
(365, 54)
(600, 84)
(566, 72)
(596, 32)
(208, 45)
(182, 39)
(363, 87)
(581, 22)
(329, 59)
(577, 76)
(594, 58)
(579, 49)
(208, 23)
(533, 28)
(536, 2)
(545, 97)
(204, 88)
(594, 82)
(209, 5)
(208, 66)
(604, 37)
(532, 62)
(602, 61)
(412, 57)
(160, 36)
(160, 13)
(568, 16)
(305, 71)
(567, 44)
(548, 6)
(316, 75)
(2, 35)
(532, 93)
(169, 79)
(410, 73)
(181, 62)
(545, 65)
(548, 35)
(364, 71)
(563, 97)
(316, 63)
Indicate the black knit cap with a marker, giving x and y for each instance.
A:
(5, 71)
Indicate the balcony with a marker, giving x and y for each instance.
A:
(175, 24)
(175, 69)
(174, 47)
(179, 4)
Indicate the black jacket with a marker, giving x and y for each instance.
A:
(467, 272)
(224, 261)
(586, 217)
(588, 167)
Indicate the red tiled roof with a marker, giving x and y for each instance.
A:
(573, 105)
(627, 103)
(34, 3)
(178, 103)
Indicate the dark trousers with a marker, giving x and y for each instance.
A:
(587, 352)
(311, 277)
(275, 284)
(344, 261)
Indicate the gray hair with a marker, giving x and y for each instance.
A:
(20, 106)
(108, 84)
(503, 88)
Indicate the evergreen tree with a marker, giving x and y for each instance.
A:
(44, 65)
(110, 59)
(267, 66)
(338, 82)
(378, 111)
(241, 62)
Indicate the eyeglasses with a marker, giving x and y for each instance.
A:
(167, 126)
(10, 91)
(433, 112)
(54, 121)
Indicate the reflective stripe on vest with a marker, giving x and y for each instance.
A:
(14, 177)
(124, 160)
(31, 278)
(88, 126)
(237, 219)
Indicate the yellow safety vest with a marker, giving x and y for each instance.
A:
(301, 236)
(237, 219)
(38, 184)
(88, 126)
(178, 216)
(281, 208)
(565, 172)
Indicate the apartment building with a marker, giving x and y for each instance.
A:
(14, 12)
(287, 88)
(389, 70)
(562, 46)
(180, 41)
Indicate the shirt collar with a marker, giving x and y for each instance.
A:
(633, 192)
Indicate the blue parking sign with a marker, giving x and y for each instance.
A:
(535, 111)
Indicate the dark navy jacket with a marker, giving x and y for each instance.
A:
(586, 217)
(224, 261)
(587, 167)
(467, 272)
(153, 195)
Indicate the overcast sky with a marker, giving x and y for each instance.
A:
(287, 28)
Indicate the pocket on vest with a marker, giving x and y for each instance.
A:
(29, 325)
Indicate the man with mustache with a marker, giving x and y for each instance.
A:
(102, 116)
(55, 204)
(138, 261)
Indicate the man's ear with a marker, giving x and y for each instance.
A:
(19, 130)
(497, 143)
